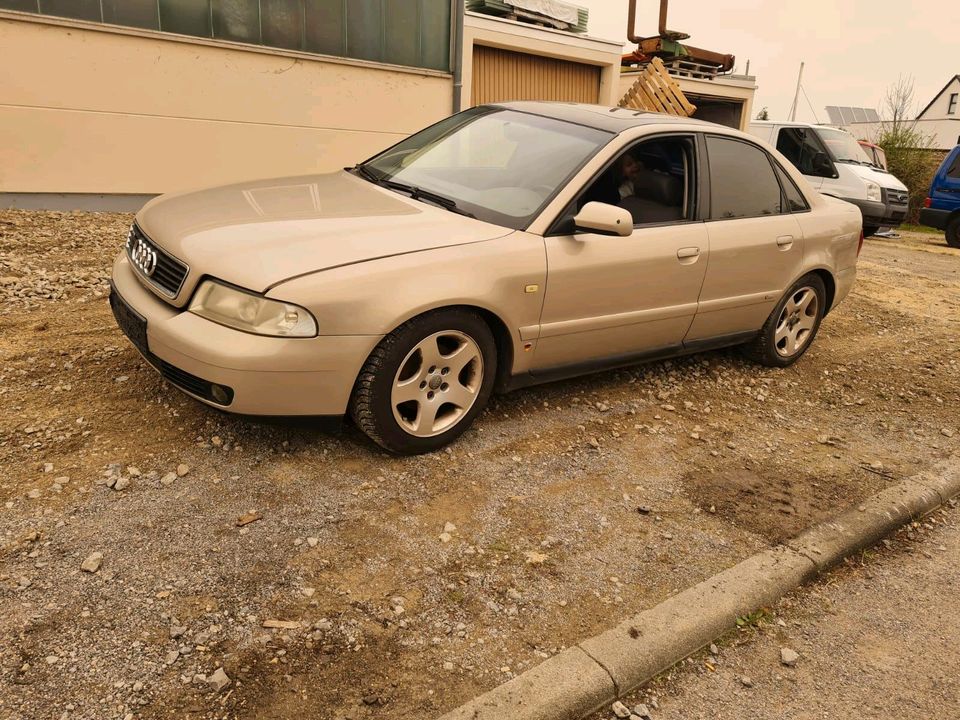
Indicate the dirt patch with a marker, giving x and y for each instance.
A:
(768, 503)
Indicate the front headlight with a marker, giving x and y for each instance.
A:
(873, 192)
(251, 313)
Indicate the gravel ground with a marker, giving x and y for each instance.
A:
(264, 570)
(875, 640)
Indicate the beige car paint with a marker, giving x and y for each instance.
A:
(364, 259)
(611, 295)
(257, 234)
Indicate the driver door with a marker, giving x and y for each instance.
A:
(610, 299)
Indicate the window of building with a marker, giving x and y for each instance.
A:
(415, 33)
(952, 104)
(742, 181)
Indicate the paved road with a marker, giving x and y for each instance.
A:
(877, 640)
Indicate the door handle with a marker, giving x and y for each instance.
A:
(785, 241)
(688, 252)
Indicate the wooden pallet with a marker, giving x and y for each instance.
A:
(656, 91)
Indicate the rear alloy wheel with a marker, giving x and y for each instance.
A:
(426, 381)
(792, 326)
(953, 232)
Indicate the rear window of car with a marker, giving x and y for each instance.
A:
(954, 169)
(742, 181)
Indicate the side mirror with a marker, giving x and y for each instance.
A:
(603, 218)
(822, 165)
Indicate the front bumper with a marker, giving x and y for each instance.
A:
(935, 218)
(264, 375)
(880, 214)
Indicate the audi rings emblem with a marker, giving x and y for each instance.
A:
(143, 257)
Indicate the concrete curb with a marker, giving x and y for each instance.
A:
(597, 671)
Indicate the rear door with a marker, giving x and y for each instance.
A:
(756, 244)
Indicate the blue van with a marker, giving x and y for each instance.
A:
(941, 209)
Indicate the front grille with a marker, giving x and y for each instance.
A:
(897, 197)
(154, 264)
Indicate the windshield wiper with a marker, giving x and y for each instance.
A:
(418, 193)
(363, 170)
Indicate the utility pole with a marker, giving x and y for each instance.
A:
(796, 95)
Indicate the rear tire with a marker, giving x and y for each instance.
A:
(953, 232)
(424, 384)
(870, 230)
(791, 327)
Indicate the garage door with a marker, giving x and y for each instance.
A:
(501, 75)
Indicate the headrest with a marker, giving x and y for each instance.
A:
(659, 187)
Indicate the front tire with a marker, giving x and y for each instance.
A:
(424, 384)
(952, 232)
(791, 327)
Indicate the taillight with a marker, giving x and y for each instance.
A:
(927, 202)
(860, 244)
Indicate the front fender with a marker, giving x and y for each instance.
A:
(375, 297)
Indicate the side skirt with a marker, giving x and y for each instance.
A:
(564, 372)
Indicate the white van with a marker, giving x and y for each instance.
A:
(836, 165)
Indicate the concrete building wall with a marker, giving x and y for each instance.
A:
(940, 134)
(91, 109)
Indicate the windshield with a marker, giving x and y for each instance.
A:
(499, 165)
(842, 146)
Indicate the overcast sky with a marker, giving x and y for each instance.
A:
(853, 49)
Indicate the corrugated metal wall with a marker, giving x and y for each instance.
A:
(501, 75)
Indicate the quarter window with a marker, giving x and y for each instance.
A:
(742, 181)
(795, 200)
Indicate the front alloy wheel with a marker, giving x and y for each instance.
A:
(437, 383)
(425, 382)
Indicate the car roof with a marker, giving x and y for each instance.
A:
(601, 117)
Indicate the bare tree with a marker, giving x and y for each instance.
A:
(907, 148)
(898, 103)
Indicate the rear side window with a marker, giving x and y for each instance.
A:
(954, 169)
(742, 181)
(795, 202)
(800, 146)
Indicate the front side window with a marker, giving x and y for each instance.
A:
(742, 181)
(653, 180)
(800, 146)
(501, 166)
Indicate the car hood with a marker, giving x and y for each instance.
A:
(881, 177)
(257, 234)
